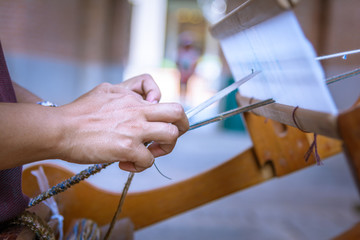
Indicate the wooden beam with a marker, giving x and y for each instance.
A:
(349, 128)
(248, 14)
(351, 234)
(145, 208)
(307, 120)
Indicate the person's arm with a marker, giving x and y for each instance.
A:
(25, 96)
(29, 132)
(111, 123)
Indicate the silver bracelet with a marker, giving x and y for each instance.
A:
(47, 104)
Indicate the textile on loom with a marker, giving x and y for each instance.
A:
(290, 73)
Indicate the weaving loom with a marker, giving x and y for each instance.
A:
(281, 132)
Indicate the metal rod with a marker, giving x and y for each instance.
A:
(191, 112)
(343, 76)
(231, 113)
(340, 54)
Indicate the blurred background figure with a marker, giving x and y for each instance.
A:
(186, 61)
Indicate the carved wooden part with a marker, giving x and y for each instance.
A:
(251, 13)
(349, 127)
(351, 234)
(308, 120)
(282, 145)
(145, 208)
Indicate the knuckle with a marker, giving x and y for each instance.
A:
(104, 87)
(128, 145)
(132, 98)
(144, 128)
(146, 76)
(173, 132)
(178, 110)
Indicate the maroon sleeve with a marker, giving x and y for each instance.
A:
(12, 200)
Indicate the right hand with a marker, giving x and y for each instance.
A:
(112, 123)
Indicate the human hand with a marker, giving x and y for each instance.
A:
(112, 123)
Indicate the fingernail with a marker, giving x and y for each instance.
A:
(127, 166)
(139, 169)
(155, 101)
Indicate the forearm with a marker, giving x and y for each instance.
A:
(111, 123)
(25, 96)
(29, 133)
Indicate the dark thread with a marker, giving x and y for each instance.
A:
(250, 100)
(121, 203)
(313, 146)
(161, 172)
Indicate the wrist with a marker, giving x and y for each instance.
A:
(29, 133)
(66, 127)
(61, 126)
(57, 128)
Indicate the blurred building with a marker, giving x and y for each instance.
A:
(60, 49)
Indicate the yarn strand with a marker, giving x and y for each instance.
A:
(313, 146)
(61, 187)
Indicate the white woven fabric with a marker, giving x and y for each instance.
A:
(289, 72)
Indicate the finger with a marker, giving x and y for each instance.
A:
(127, 166)
(170, 113)
(141, 158)
(145, 86)
(158, 150)
(163, 137)
(164, 133)
(114, 89)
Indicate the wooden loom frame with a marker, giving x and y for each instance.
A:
(278, 149)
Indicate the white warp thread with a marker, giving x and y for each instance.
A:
(290, 74)
(50, 202)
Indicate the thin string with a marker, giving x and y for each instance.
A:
(161, 172)
(51, 203)
(250, 100)
(313, 146)
(121, 203)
